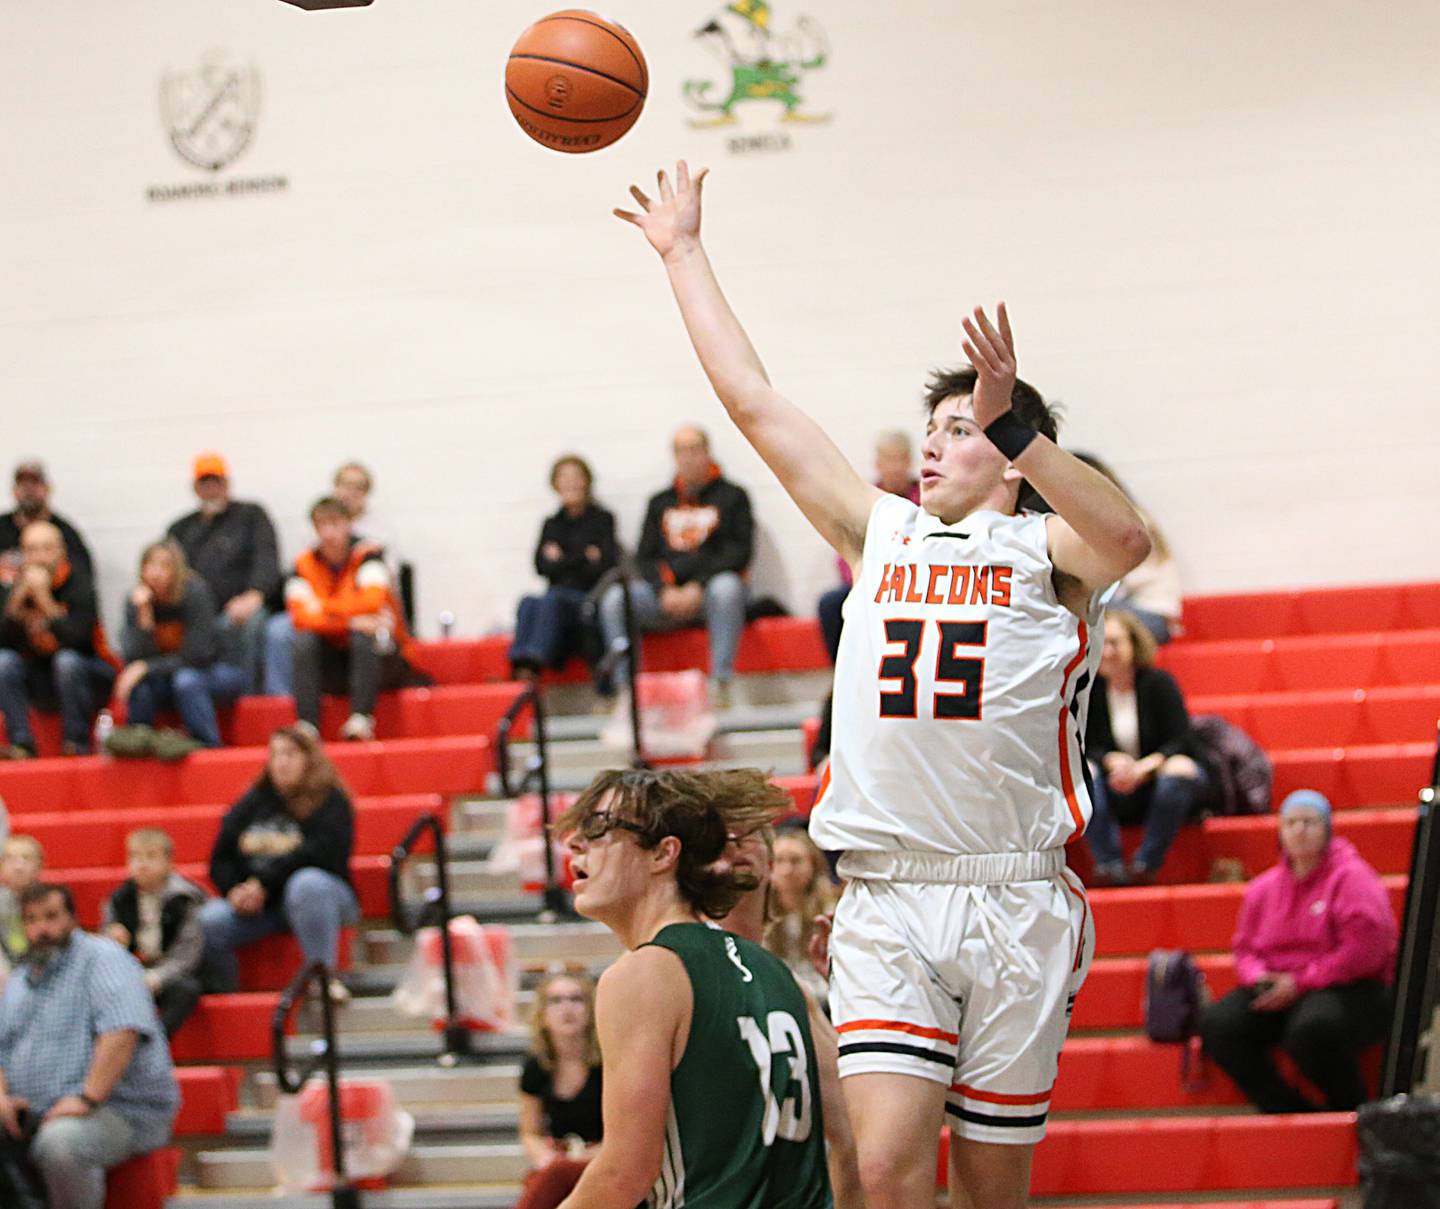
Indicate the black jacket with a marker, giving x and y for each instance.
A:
(77, 553)
(75, 631)
(186, 633)
(692, 537)
(263, 819)
(233, 553)
(1160, 709)
(595, 527)
(181, 940)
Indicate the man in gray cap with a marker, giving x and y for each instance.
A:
(32, 503)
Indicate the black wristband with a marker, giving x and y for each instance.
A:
(1010, 434)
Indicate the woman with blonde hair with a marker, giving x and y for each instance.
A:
(560, 1119)
(282, 861)
(171, 644)
(801, 889)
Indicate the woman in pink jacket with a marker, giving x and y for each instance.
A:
(1315, 952)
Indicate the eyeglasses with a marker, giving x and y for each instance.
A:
(600, 824)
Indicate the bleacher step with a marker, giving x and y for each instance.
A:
(758, 748)
(411, 1045)
(478, 1196)
(469, 1085)
(498, 1122)
(531, 943)
(476, 1162)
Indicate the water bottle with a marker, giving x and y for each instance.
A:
(447, 623)
(104, 728)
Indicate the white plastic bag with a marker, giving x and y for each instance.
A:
(676, 721)
(486, 977)
(375, 1130)
(521, 849)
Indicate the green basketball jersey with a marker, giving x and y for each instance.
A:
(745, 1129)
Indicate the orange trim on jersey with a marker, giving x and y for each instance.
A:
(896, 1026)
(993, 1097)
(824, 783)
(1067, 777)
(1084, 918)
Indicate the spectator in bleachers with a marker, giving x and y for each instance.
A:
(282, 861)
(1152, 590)
(1314, 953)
(231, 545)
(802, 889)
(560, 1123)
(155, 914)
(895, 473)
(349, 630)
(32, 503)
(51, 640)
(80, 1045)
(1143, 763)
(171, 644)
(21, 861)
(352, 485)
(576, 549)
(695, 546)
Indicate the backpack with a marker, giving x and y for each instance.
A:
(1175, 995)
(1242, 771)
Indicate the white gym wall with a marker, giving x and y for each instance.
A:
(1215, 224)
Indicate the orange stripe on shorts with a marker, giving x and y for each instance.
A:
(992, 1097)
(896, 1026)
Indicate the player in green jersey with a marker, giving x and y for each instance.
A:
(711, 1100)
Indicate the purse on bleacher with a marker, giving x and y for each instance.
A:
(1175, 995)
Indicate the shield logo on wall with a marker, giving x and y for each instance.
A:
(210, 113)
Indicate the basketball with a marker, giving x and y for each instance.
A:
(575, 81)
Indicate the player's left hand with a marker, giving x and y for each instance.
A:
(992, 353)
(672, 222)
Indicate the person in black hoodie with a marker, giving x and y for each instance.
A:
(1140, 756)
(695, 545)
(155, 914)
(171, 643)
(575, 550)
(282, 860)
(49, 626)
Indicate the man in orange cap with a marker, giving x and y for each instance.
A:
(231, 545)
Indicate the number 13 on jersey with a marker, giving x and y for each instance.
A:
(959, 678)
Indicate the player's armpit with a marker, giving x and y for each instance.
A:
(643, 1006)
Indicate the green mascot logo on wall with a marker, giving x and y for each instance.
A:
(764, 65)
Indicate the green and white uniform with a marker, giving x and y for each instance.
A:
(745, 1128)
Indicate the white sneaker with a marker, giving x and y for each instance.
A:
(720, 694)
(359, 728)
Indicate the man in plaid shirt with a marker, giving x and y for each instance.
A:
(82, 1050)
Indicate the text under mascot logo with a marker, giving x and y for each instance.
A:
(763, 66)
(210, 113)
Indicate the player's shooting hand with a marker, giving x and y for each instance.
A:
(992, 353)
(672, 222)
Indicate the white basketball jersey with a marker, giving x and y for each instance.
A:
(961, 690)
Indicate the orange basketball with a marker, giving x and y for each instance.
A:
(575, 81)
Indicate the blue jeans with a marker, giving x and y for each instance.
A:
(548, 628)
(315, 906)
(243, 645)
(723, 610)
(71, 680)
(73, 1153)
(194, 692)
(1164, 805)
(279, 679)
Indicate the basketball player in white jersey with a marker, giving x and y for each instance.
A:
(956, 775)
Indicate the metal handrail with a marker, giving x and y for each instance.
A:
(436, 909)
(537, 775)
(343, 1195)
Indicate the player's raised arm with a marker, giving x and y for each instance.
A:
(1096, 536)
(834, 499)
(640, 1005)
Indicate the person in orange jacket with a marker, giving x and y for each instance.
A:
(350, 631)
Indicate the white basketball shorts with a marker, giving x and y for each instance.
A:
(967, 983)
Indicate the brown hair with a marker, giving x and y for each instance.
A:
(364, 470)
(541, 1044)
(320, 776)
(328, 506)
(151, 837)
(580, 464)
(700, 809)
(172, 550)
(1142, 642)
(818, 899)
